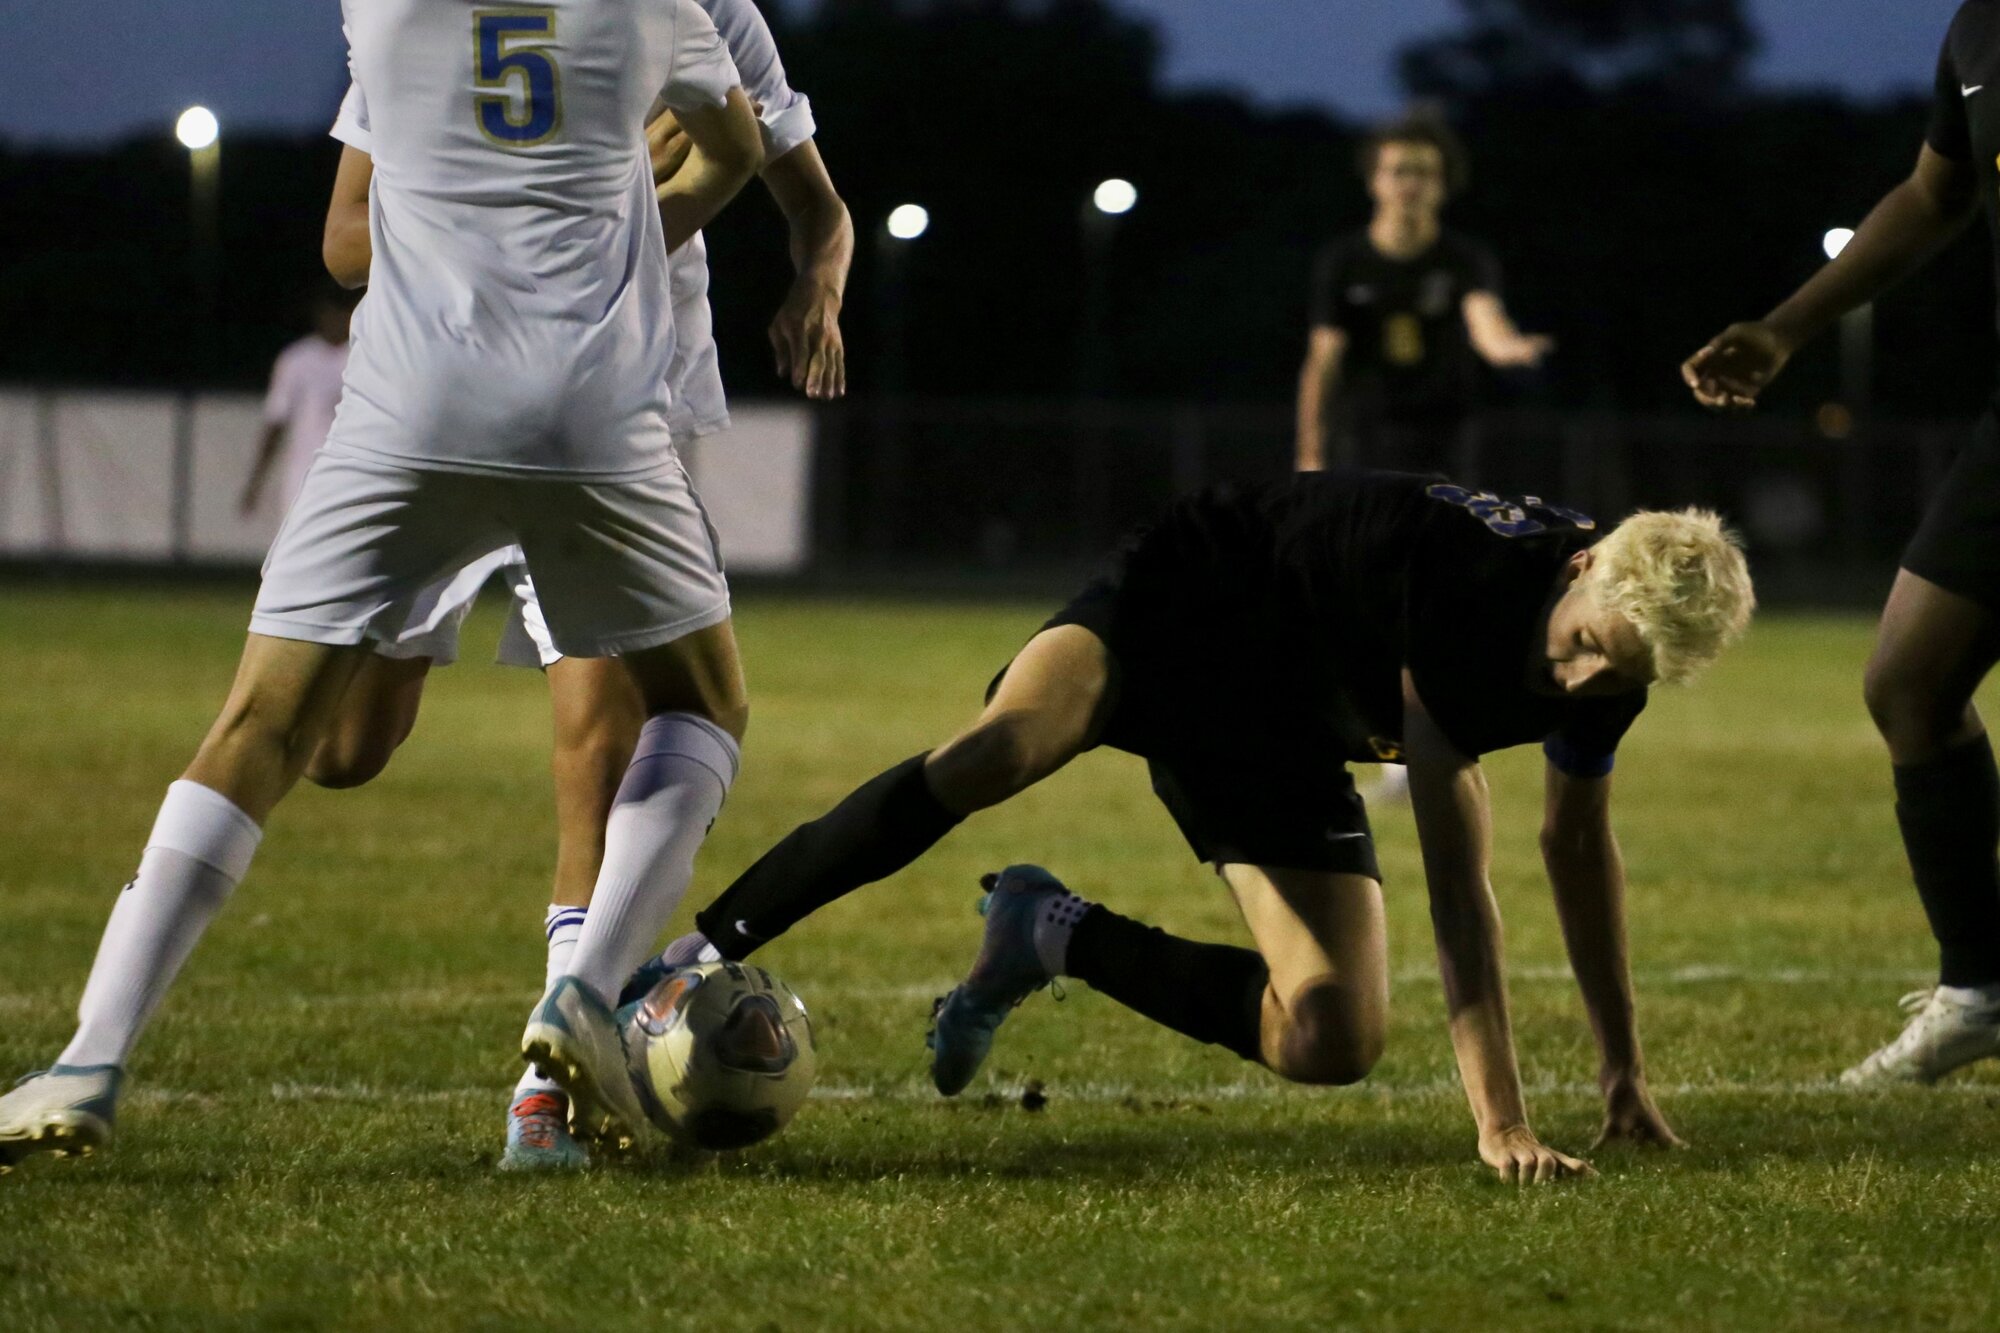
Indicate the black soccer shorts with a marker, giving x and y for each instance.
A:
(1957, 545)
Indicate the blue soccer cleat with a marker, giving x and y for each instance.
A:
(1007, 971)
(538, 1137)
(68, 1110)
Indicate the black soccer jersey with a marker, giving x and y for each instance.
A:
(1965, 105)
(1408, 359)
(1296, 605)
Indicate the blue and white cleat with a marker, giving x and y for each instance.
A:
(538, 1137)
(573, 1041)
(1007, 971)
(68, 1110)
(686, 951)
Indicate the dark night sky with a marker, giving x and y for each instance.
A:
(109, 68)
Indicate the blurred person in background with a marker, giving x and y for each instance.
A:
(1402, 312)
(298, 407)
(1940, 635)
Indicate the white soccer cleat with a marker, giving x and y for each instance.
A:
(66, 1110)
(1944, 1033)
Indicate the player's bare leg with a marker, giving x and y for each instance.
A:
(278, 711)
(696, 709)
(1048, 708)
(1933, 649)
(598, 713)
(376, 716)
(1325, 1010)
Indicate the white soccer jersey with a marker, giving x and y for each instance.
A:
(305, 389)
(518, 318)
(785, 117)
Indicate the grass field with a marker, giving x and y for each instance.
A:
(315, 1115)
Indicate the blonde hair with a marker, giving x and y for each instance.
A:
(1681, 579)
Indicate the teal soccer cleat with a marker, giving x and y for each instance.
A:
(1007, 971)
(68, 1110)
(573, 1041)
(538, 1137)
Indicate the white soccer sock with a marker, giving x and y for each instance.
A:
(200, 847)
(680, 773)
(562, 925)
(1053, 924)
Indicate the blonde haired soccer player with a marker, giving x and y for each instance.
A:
(1249, 646)
(508, 386)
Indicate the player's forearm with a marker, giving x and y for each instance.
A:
(1466, 923)
(699, 191)
(1909, 225)
(347, 251)
(1587, 875)
(1316, 389)
(822, 245)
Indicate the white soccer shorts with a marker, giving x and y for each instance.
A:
(371, 549)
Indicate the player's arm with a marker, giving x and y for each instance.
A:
(1455, 831)
(1319, 380)
(725, 149)
(268, 448)
(1495, 336)
(1909, 225)
(345, 247)
(1587, 874)
(805, 334)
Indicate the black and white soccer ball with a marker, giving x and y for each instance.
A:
(721, 1054)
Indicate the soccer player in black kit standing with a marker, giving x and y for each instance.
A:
(1402, 312)
(1939, 635)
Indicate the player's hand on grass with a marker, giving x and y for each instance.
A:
(806, 338)
(1733, 369)
(1631, 1117)
(1522, 1159)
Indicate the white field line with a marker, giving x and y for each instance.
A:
(445, 997)
(1142, 1096)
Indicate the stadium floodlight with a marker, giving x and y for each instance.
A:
(197, 128)
(909, 221)
(1835, 241)
(1115, 197)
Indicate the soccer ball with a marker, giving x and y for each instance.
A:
(721, 1054)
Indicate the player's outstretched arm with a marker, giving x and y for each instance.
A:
(1910, 223)
(1319, 379)
(726, 150)
(345, 246)
(1588, 877)
(1454, 828)
(1498, 340)
(805, 334)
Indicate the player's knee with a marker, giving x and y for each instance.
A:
(993, 761)
(1331, 1036)
(1910, 708)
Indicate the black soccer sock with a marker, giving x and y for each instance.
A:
(882, 826)
(1211, 992)
(1949, 810)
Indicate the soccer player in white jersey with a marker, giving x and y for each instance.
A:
(597, 714)
(507, 386)
(298, 407)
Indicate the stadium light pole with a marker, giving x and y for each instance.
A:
(1857, 336)
(895, 240)
(201, 134)
(1098, 223)
(905, 224)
